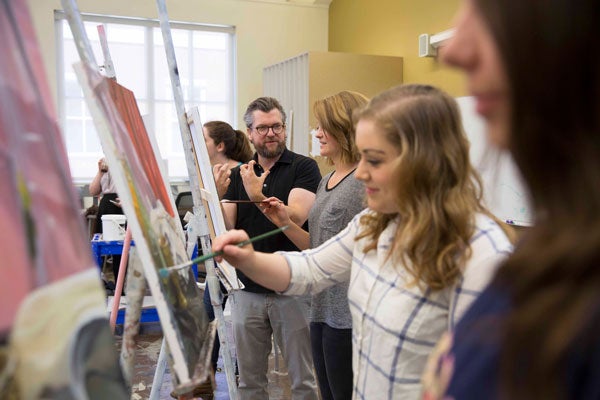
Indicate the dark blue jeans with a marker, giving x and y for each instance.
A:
(332, 356)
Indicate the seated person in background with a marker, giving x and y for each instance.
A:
(227, 148)
(415, 259)
(103, 186)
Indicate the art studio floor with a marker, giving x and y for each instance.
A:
(148, 345)
(146, 356)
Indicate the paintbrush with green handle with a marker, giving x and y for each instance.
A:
(164, 272)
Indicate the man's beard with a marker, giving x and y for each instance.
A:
(265, 153)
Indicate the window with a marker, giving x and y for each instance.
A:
(205, 62)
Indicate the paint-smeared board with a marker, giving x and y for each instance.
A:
(154, 224)
(52, 313)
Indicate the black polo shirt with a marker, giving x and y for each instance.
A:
(290, 171)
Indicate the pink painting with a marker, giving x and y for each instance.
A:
(53, 320)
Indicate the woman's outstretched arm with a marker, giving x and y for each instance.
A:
(266, 269)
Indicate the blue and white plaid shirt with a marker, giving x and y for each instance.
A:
(394, 325)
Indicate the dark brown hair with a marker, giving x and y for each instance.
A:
(552, 60)
(237, 145)
(264, 104)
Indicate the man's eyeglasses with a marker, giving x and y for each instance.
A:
(264, 129)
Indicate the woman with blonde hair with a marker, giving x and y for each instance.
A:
(339, 197)
(415, 259)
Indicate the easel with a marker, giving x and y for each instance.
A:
(187, 378)
(134, 306)
(109, 71)
(137, 283)
(198, 228)
(87, 55)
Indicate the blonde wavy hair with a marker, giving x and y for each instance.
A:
(438, 191)
(334, 114)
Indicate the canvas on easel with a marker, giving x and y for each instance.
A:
(56, 341)
(202, 221)
(210, 199)
(153, 222)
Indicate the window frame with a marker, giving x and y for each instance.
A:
(150, 26)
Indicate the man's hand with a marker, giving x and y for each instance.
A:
(253, 183)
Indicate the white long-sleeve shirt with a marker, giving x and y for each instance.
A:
(394, 326)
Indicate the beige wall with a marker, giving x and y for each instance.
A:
(392, 28)
(266, 32)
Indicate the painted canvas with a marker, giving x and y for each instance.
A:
(206, 203)
(55, 340)
(153, 221)
(206, 219)
(210, 199)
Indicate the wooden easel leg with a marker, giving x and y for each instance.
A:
(120, 280)
(135, 299)
(159, 373)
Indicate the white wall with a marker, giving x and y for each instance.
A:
(504, 191)
(266, 31)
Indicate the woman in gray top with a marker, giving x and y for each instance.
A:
(339, 197)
